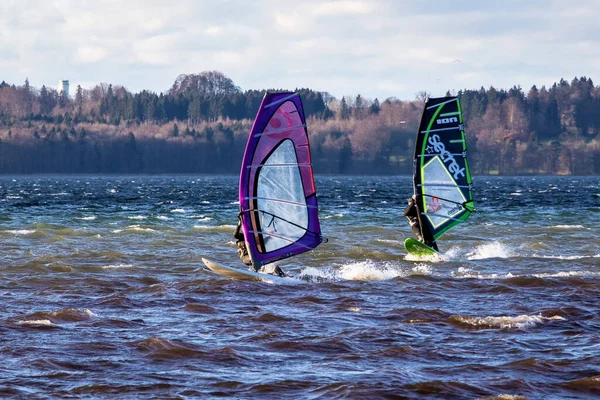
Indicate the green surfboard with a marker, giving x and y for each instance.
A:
(416, 248)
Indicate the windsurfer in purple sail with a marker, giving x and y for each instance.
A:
(277, 194)
(421, 231)
(240, 243)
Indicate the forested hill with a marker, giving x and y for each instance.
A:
(201, 125)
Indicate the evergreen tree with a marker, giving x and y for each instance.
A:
(344, 109)
(375, 107)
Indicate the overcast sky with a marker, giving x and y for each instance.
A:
(378, 48)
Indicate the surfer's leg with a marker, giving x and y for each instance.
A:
(240, 243)
(272, 269)
(279, 272)
(414, 225)
(243, 252)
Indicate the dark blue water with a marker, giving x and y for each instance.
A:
(104, 294)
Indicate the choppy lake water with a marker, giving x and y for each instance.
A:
(104, 294)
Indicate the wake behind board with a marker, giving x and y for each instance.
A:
(243, 274)
(416, 248)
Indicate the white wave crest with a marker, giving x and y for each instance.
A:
(137, 217)
(334, 216)
(490, 250)
(567, 227)
(560, 257)
(364, 271)
(117, 266)
(36, 322)
(162, 218)
(21, 231)
(463, 272)
(178, 210)
(216, 228)
(367, 271)
(90, 218)
(134, 228)
(566, 274)
(200, 218)
(504, 322)
(421, 269)
(390, 241)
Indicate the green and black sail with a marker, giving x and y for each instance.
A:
(442, 180)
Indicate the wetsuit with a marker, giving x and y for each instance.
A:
(412, 213)
(240, 243)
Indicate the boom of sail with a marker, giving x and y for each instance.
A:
(442, 180)
(277, 193)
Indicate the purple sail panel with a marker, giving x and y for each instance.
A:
(277, 190)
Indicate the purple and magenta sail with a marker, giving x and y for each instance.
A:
(277, 191)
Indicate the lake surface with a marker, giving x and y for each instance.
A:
(104, 294)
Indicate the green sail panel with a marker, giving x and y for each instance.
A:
(442, 180)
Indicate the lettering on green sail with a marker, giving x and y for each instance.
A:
(450, 120)
(438, 147)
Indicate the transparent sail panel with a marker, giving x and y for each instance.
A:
(280, 199)
(443, 198)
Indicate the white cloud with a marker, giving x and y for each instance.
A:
(89, 54)
(378, 48)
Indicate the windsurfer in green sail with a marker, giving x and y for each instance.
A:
(421, 231)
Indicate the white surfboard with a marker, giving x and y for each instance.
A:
(246, 274)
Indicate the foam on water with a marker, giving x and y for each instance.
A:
(117, 266)
(36, 322)
(134, 228)
(200, 217)
(566, 274)
(219, 228)
(464, 272)
(505, 322)
(567, 227)
(368, 270)
(559, 257)
(178, 210)
(21, 231)
(389, 241)
(340, 215)
(490, 250)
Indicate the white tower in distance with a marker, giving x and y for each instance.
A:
(63, 87)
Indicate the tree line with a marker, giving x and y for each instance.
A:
(201, 125)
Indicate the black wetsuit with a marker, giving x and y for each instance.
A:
(240, 243)
(412, 213)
